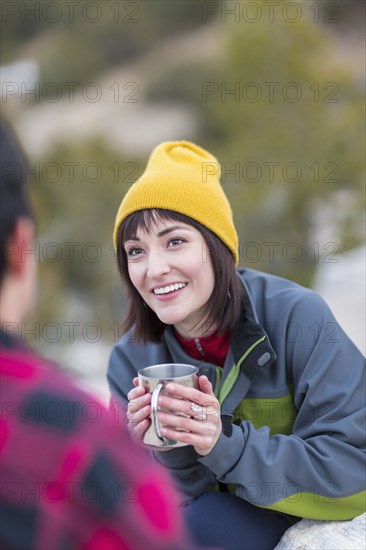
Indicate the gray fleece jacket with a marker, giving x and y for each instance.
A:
(292, 395)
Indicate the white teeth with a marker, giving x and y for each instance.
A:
(170, 288)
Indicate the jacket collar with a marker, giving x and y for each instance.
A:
(250, 335)
(251, 351)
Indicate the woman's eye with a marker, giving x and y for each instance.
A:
(175, 242)
(133, 251)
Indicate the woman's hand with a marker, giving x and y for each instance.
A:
(203, 427)
(138, 411)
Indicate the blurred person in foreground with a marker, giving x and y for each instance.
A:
(276, 430)
(70, 476)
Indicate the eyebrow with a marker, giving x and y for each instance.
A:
(163, 232)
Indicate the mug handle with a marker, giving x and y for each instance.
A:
(154, 411)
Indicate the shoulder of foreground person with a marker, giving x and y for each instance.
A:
(71, 474)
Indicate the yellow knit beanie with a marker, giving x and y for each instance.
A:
(183, 177)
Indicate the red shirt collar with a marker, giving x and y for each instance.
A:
(212, 348)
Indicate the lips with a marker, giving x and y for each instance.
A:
(169, 288)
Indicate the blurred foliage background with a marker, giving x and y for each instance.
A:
(274, 89)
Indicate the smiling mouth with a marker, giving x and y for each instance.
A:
(169, 288)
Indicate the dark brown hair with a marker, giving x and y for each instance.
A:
(225, 303)
(15, 199)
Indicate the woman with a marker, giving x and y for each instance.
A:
(275, 429)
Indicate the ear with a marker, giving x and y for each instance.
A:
(20, 246)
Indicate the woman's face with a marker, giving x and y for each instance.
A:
(170, 268)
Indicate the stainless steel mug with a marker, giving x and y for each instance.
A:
(154, 379)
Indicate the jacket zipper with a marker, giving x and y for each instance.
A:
(234, 372)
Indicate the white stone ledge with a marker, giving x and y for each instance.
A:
(310, 534)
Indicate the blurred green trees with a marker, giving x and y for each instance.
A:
(76, 193)
(75, 41)
(288, 123)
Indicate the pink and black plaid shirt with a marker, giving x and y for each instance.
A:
(71, 478)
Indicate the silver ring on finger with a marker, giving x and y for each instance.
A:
(200, 415)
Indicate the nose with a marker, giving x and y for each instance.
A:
(158, 264)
